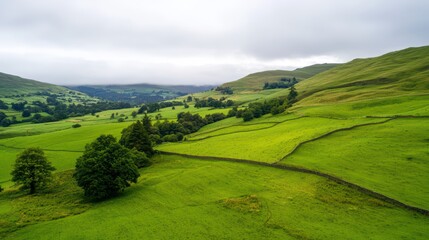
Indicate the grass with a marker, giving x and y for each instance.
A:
(268, 144)
(393, 74)
(173, 194)
(256, 81)
(61, 199)
(391, 158)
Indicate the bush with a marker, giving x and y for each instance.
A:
(76, 125)
(121, 119)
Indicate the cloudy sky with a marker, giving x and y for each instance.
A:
(196, 42)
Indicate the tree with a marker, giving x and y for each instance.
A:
(112, 116)
(1, 189)
(189, 98)
(136, 136)
(134, 114)
(292, 95)
(32, 169)
(26, 113)
(106, 168)
(247, 115)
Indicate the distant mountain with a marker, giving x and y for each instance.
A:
(139, 93)
(401, 72)
(255, 81)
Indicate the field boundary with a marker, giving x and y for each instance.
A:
(330, 133)
(241, 131)
(44, 149)
(308, 171)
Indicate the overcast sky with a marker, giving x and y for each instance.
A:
(196, 42)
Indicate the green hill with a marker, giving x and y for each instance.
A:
(255, 81)
(402, 72)
(14, 85)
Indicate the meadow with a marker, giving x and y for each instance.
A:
(184, 198)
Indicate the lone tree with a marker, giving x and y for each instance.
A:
(292, 95)
(106, 168)
(32, 169)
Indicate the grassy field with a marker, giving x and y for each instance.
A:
(218, 200)
(358, 155)
(263, 142)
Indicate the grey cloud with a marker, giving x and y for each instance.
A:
(258, 30)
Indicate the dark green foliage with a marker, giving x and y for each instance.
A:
(32, 170)
(224, 90)
(292, 95)
(136, 137)
(121, 119)
(112, 116)
(170, 138)
(134, 114)
(2, 116)
(186, 123)
(1, 189)
(211, 102)
(4, 121)
(186, 105)
(26, 113)
(283, 83)
(19, 106)
(106, 168)
(154, 107)
(3, 105)
(189, 99)
(140, 159)
(258, 109)
(76, 125)
(247, 115)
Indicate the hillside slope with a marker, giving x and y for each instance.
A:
(13, 85)
(402, 72)
(255, 81)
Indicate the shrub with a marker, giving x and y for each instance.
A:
(76, 125)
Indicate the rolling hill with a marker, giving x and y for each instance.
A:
(404, 72)
(255, 81)
(14, 85)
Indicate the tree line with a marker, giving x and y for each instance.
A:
(55, 109)
(258, 109)
(283, 83)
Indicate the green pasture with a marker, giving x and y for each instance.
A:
(178, 198)
(268, 144)
(416, 105)
(391, 158)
